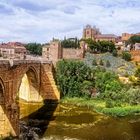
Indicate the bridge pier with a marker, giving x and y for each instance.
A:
(41, 82)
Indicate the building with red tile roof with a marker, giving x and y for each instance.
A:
(12, 50)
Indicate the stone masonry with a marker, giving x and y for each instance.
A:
(11, 75)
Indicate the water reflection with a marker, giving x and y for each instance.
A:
(67, 122)
(38, 118)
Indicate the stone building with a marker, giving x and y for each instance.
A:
(106, 37)
(54, 52)
(95, 34)
(90, 32)
(6, 51)
(13, 50)
(137, 46)
(126, 36)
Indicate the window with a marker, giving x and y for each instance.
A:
(87, 32)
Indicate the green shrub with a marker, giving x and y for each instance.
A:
(101, 62)
(126, 55)
(115, 53)
(108, 64)
(109, 103)
(133, 96)
(94, 62)
(74, 78)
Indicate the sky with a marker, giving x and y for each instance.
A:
(41, 20)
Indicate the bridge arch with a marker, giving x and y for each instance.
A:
(5, 124)
(29, 88)
(2, 92)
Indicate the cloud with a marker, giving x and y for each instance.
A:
(39, 21)
(30, 6)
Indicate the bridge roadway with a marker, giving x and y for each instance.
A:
(14, 76)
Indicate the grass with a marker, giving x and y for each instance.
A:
(100, 106)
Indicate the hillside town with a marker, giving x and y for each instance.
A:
(54, 50)
(70, 70)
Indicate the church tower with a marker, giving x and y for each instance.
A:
(90, 32)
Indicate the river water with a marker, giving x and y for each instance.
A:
(68, 122)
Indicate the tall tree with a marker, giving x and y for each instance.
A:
(134, 39)
(34, 48)
(70, 43)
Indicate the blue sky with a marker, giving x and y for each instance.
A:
(41, 20)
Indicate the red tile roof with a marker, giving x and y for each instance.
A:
(19, 47)
(106, 36)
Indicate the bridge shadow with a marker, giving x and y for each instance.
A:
(37, 122)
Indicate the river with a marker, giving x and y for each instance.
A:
(68, 122)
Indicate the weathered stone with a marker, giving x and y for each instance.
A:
(40, 77)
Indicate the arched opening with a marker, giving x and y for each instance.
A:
(2, 114)
(1, 94)
(29, 97)
(5, 124)
(29, 87)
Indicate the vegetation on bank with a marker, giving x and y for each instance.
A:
(99, 106)
(126, 56)
(99, 88)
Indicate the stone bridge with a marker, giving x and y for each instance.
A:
(30, 80)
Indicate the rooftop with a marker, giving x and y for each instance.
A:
(106, 36)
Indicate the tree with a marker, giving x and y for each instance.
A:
(115, 53)
(94, 62)
(108, 63)
(100, 46)
(101, 62)
(137, 74)
(74, 78)
(134, 39)
(103, 79)
(34, 48)
(70, 43)
(126, 55)
(106, 46)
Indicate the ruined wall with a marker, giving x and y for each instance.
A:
(71, 53)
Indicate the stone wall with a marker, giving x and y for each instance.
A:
(135, 55)
(70, 53)
(55, 52)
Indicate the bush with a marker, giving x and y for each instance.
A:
(108, 64)
(109, 103)
(133, 96)
(74, 78)
(101, 62)
(104, 79)
(94, 62)
(115, 53)
(126, 56)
